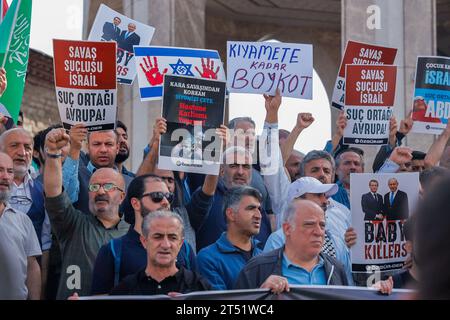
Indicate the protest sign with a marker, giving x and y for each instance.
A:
(369, 94)
(262, 67)
(378, 217)
(110, 25)
(193, 108)
(431, 102)
(359, 53)
(85, 82)
(153, 63)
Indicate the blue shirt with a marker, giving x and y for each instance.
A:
(298, 275)
(221, 262)
(341, 196)
(70, 178)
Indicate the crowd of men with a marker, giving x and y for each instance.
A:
(74, 221)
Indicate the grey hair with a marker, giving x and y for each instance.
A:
(11, 131)
(233, 122)
(236, 150)
(392, 179)
(315, 155)
(158, 215)
(358, 151)
(233, 197)
(290, 212)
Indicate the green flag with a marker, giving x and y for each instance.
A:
(14, 45)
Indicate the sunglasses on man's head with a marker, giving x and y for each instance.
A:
(95, 187)
(158, 196)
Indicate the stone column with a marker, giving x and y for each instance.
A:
(409, 26)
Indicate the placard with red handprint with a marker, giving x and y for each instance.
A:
(152, 63)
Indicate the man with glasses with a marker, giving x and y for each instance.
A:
(81, 235)
(124, 256)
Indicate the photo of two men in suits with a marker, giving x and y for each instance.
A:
(125, 39)
(393, 206)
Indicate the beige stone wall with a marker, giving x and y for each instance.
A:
(39, 99)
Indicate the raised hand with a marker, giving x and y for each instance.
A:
(401, 155)
(272, 105)
(159, 128)
(78, 134)
(151, 71)
(224, 134)
(341, 123)
(304, 120)
(56, 140)
(3, 82)
(208, 69)
(406, 124)
(392, 131)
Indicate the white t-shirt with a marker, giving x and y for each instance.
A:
(18, 241)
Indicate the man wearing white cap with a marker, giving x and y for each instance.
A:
(310, 188)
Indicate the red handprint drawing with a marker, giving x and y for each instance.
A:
(151, 71)
(208, 69)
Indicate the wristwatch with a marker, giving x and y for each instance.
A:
(53, 155)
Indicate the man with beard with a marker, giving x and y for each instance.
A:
(81, 235)
(103, 147)
(27, 194)
(20, 274)
(124, 149)
(221, 262)
(126, 255)
(349, 161)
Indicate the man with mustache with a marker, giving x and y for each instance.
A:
(126, 255)
(124, 149)
(103, 147)
(81, 235)
(27, 194)
(301, 260)
(162, 237)
(20, 274)
(221, 262)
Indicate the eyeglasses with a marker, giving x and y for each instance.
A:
(95, 187)
(158, 196)
(21, 200)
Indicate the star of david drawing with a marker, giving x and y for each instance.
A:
(181, 68)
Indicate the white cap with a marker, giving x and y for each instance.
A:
(310, 185)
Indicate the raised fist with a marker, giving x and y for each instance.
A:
(56, 140)
(304, 120)
(401, 155)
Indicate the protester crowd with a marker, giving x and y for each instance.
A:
(74, 221)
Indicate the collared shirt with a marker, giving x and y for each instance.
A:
(277, 240)
(80, 237)
(21, 200)
(183, 281)
(70, 178)
(221, 262)
(18, 241)
(298, 275)
(342, 196)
